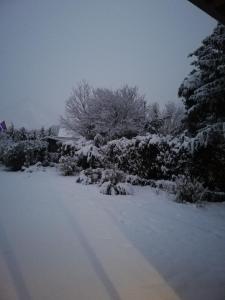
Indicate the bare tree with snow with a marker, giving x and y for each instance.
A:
(111, 113)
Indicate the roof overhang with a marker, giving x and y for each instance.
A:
(215, 8)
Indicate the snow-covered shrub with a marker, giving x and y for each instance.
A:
(5, 142)
(53, 157)
(24, 153)
(113, 175)
(90, 176)
(108, 188)
(86, 153)
(99, 140)
(189, 190)
(99, 176)
(166, 185)
(212, 196)
(111, 181)
(68, 165)
(149, 157)
(37, 167)
(124, 189)
(137, 180)
(89, 156)
(67, 149)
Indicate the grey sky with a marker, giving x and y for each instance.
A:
(48, 46)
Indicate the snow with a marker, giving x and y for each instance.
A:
(65, 133)
(63, 240)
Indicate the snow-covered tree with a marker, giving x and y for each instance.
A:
(172, 116)
(77, 116)
(22, 134)
(154, 118)
(203, 91)
(42, 132)
(11, 131)
(111, 113)
(166, 120)
(118, 113)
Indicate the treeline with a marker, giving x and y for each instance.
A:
(23, 134)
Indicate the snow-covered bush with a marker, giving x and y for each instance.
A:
(85, 152)
(37, 167)
(215, 196)
(89, 156)
(113, 175)
(137, 180)
(53, 157)
(108, 188)
(99, 175)
(124, 189)
(99, 140)
(166, 185)
(67, 149)
(110, 181)
(68, 165)
(90, 176)
(24, 153)
(189, 190)
(5, 142)
(149, 157)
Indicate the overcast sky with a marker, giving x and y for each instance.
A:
(47, 46)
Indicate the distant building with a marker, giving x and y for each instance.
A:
(64, 137)
(3, 126)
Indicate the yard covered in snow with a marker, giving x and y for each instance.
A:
(64, 240)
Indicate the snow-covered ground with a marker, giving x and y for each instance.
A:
(63, 240)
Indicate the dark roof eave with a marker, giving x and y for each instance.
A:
(214, 8)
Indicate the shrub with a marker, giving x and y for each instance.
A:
(89, 156)
(99, 140)
(112, 175)
(53, 157)
(149, 157)
(90, 176)
(108, 188)
(68, 165)
(24, 153)
(136, 180)
(111, 181)
(189, 190)
(99, 176)
(5, 142)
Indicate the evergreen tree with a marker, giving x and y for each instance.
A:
(11, 131)
(42, 132)
(203, 91)
(33, 135)
(22, 134)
